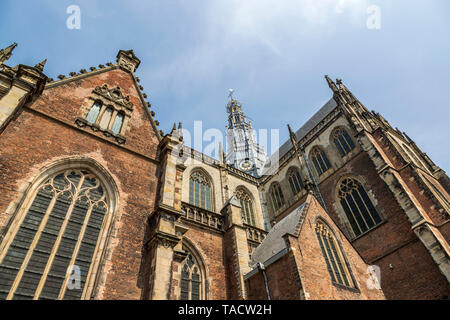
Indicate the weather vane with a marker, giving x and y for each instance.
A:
(230, 93)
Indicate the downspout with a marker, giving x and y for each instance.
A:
(263, 269)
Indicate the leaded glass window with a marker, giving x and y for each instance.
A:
(277, 196)
(200, 190)
(334, 259)
(295, 181)
(247, 211)
(357, 206)
(343, 142)
(56, 239)
(320, 160)
(191, 280)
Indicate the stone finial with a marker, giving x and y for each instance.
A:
(174, 129)
(40, 66)
(6, 53)
(128, 60)
(291, 133)
(331, 84)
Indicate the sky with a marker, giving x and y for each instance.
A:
(274, 54)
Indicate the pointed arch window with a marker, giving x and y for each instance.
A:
(320, 160)
(334, 258)
(191, 286)
(93, 113)
(295, 181)
(200, 190)
(57, 239)
(277, 196)
(247, 210)
(357, 206)
(343, 142)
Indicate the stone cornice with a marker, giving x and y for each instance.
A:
(164, 239)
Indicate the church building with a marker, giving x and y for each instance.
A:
(98, 203)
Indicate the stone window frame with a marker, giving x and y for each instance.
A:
(276, 185)
(353, 284)
(315, 152)
(291, 174)
(189, 248)
(242, 192)
(108, 98)
(18, 211)
(338, 132)
(210, 181)
(342, 213)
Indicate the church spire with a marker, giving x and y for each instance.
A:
(6, 53)
(243, 151)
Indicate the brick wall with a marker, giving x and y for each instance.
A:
(35, 140)
(303, 269)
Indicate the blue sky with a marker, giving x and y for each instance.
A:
(273, 53)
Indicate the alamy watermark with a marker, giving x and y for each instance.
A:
(74, 19)
(374, 20)
(74, 280)
(374, 279)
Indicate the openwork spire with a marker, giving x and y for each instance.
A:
(6, 53)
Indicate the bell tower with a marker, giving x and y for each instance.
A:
(243, 151)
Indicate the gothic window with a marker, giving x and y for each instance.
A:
(295, 181)
(106, 118)
(200, 190)
(342, 140)
(334, 258)
(51, 253)
(320, 160)
(248, 215)
(118, 121)
(191, 280)
(277, 196)
(93, 113)
(357, 206)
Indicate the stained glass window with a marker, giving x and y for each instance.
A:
(248, 215)
(191, 280)
(343, 142)
(277, 196)
(295, 181)
(358, 208)
(200, 191)
(336, 266)
(320, 160)
(58, 236)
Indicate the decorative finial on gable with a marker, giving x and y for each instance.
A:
(128, 60)
(6, 53)
(40, 66)
(331, 84)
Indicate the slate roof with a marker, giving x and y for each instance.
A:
(329, 106)
(273, 243)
